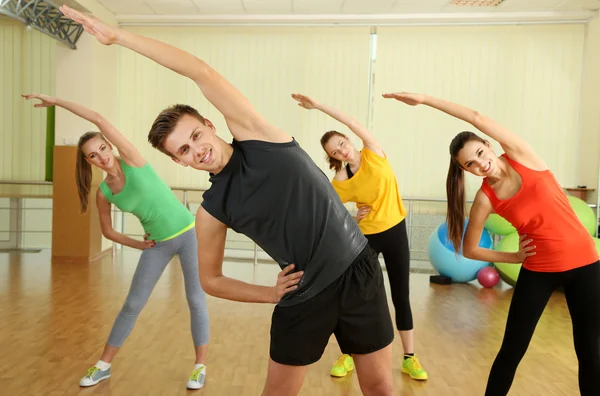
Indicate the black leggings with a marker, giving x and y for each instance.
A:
(531, 294)
(393, 245)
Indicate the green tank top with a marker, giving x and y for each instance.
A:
(148, 198)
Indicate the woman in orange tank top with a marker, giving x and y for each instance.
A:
(555, 248)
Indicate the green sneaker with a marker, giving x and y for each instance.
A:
(341, 367)
(412, 367)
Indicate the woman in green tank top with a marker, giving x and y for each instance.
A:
(134, 187)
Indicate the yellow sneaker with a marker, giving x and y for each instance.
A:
(412, 367)
(341, 367)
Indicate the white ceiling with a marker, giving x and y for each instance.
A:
(175, 11)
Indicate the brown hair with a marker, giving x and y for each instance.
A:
(164, 124)
(333, 163)
(83, 169)
(455, 189)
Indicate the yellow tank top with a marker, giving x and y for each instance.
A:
(375, 185)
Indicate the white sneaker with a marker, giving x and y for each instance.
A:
(94, 375)
(196, 380)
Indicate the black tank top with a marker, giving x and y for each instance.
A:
(277, 196)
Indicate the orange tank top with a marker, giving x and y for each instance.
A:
(541, 210)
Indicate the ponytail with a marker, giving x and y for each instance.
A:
(334, 163)
(455, 190)
(83, 170)
(455, 216)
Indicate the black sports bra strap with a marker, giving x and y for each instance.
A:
(349, 171)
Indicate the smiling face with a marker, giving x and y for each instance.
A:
(98, 152)
(188, 138)
(473, 154)
(478, 158)
(338, 146)
(194, 143)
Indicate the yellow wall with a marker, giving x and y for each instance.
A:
(87, 76)
(525, 77)
(266, 64)
(589, 158)
(27, 64)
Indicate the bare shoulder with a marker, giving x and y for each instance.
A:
(100, 198)
(103, 207)
(341, 175)
(526, 156)
(481, 198)
(481, 204)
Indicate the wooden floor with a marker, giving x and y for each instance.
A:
(54, 321)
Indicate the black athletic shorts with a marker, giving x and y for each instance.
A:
(354, 308)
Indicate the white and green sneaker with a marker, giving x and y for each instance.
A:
(94, 375)
(196, 380)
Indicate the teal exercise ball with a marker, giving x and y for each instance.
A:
(450, 263)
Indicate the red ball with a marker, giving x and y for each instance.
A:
(488, 277)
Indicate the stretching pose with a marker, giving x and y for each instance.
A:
(368, 180)
(519, 187)
(133, 186)
(265, 186)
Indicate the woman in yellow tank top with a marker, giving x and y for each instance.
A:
(368, 180)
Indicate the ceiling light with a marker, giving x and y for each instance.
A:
(476, 3)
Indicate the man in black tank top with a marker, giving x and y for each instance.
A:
(266, 187)
(276, 195)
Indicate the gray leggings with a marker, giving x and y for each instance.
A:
(150, 267)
